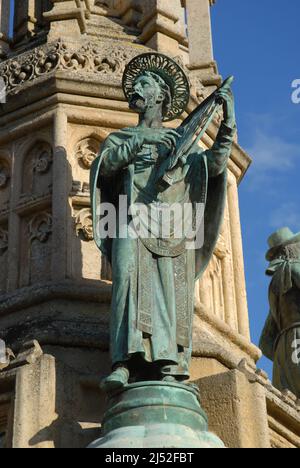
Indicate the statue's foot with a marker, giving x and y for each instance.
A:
(117, 380)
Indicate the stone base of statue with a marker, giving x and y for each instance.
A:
(156, 415)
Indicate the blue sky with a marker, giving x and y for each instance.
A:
(258, 42)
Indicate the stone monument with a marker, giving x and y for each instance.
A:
(62, 67)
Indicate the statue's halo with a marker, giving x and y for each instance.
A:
(169, 71)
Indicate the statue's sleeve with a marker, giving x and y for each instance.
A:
(117, 153)
(218, 155)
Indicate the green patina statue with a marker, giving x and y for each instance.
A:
(280, 339)
(154, 276)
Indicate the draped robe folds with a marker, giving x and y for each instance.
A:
(280, 340)
(154, 280)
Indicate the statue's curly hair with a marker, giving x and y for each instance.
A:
(165, 88)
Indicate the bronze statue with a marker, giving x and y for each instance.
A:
(280, 339)
(154, 276)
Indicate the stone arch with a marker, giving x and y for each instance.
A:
(36, 178)
(36, 248)
(85, 148)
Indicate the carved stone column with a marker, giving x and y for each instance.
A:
(163, 26)
(200, 41)
(4, 27)
(238, 259)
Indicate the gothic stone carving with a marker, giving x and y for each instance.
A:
(40, 227)
(84, 224)
(43, 160)
(86, 151)
(36, 249)
(37, 174)
(99, 59)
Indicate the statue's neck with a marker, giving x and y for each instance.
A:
(152, 118)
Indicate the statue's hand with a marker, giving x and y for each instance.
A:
(225, 96)
(165, 137)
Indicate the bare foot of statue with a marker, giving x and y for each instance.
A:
(118, 379)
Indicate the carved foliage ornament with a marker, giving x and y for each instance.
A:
(59, 56)
(86, 151)
(84, 224)
(44, 159)
(40, 227)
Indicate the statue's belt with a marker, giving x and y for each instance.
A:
(295, 325)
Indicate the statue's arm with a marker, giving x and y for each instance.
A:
(218, 155)
(116, 155)
(268, 337)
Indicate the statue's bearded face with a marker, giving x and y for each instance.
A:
(147, 93)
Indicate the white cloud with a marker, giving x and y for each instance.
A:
(270, 152)
(287, 214)
(272, 155)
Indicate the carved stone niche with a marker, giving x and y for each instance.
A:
(36, 249)
(3, 258)
(86, 259)
(86, 151)
(37, 171)
(5, 177)
(84, 230)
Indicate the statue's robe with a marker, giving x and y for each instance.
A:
(154, 279)
(280, 340)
